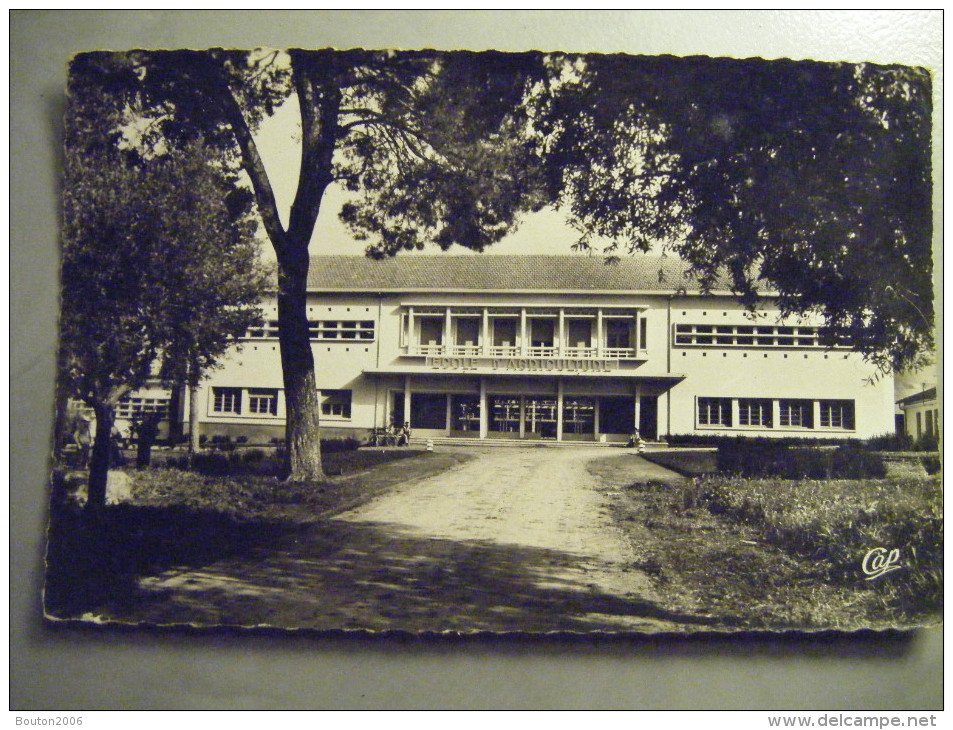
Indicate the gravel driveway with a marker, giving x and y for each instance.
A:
(516, 539)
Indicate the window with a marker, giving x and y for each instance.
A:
(754, 412)
(797, 413)
(643, 333)
(468, 331)
(617, 334)
(431, 330)
(268, 329)
(542, 332)
(579, 333)
(504, 332)
(837, 414)
(227, 400)
(747, 335)
(929, 419)
(465, 412)
(263, 400)
(336, 330)
(132, 408)
(336, 403)
(579, 415)
(428, 410)
(714, 411)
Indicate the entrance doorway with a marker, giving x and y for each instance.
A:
(517, 416)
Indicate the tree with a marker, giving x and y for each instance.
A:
(131, 278)
(809, 179)
(434, 144)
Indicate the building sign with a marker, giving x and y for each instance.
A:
(524, 364)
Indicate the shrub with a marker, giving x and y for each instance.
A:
(890, 442)
(222, 442)
(694, 439)
(767, 458)
(931, 464)
(330, 446)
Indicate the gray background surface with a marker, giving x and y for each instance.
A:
(59, 667)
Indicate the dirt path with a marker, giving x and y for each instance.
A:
(538, 497)
(512, 540)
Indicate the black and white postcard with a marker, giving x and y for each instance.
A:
(446, 341)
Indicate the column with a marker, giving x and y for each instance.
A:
(600, 338)
(484, 415)
(485, 333)
(595, 415)
(816, 408)
(523, 349)
(561, 334)
(638, 404)
(775, 413)
(407, 399)
(522, 416)
(559, 407)
(411, 345)
(447, 344)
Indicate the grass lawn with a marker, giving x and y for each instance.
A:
(778, 554)
(687, 462)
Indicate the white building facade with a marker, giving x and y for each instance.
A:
(530, 348)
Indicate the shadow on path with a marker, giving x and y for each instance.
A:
(371, 576)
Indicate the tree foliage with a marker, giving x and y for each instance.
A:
(809, 179)
(435, 145)
(156, 267)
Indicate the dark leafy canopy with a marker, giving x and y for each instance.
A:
(813, 177)
(155, 266)
(436, 145)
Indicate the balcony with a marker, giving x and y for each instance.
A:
(467, 350)
(580, 352)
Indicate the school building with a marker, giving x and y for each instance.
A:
(537, 348)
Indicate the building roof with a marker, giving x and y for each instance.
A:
(444, 272)
(923, 395)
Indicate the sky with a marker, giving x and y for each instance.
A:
(278, 142)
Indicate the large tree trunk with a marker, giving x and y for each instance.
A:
(302, 424)
(316, 79)
(99, 462)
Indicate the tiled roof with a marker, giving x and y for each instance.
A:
(496, 273)
(924, 395)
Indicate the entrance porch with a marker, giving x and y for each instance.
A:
(570, 413)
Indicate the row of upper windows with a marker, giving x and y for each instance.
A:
(540, 331)
(321, 330)
(785, 412)
(264, 402)
(751, 336)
